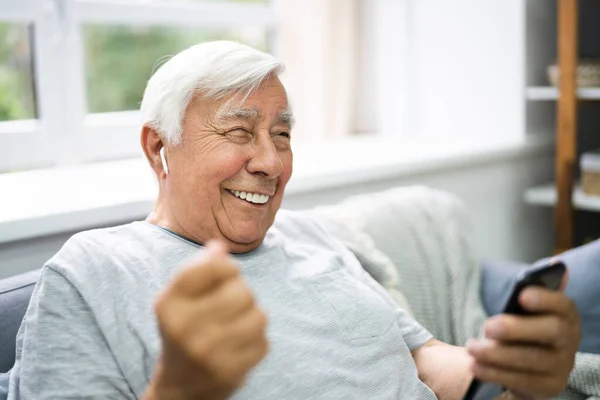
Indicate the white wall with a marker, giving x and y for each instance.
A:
(504, 227)
(468, 63)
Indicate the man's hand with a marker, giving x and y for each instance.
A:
(530, 355)
(444, 368)
(213, 333)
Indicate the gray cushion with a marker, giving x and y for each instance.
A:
(3, 386)
(584, 279)
(14, 298)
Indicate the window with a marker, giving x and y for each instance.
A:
(73, 72)
(120, 59)
(16, 77)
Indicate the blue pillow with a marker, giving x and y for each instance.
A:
(4, 386)
(584, 280)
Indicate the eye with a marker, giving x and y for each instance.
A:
(239, 133)
(282, 140)
(239, 130)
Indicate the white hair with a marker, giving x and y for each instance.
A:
(214, 70)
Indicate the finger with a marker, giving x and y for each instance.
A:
(245, 358)
(249, 352)
(539, 384)
(208, 341)
(249, 356)
(540, 300)
(216, 248)
(232, 298)
(247, 330)
(215, 251)
(549, 330)
(512, 356)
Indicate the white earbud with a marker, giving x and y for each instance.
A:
(164, 160)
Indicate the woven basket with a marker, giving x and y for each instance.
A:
(588, 73)
(590, 172)
(590, 183)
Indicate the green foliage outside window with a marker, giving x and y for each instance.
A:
(118, 60)
(16, 82)
(121, 59)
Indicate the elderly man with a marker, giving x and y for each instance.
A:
(176, 306)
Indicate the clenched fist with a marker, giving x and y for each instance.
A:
(212, 330)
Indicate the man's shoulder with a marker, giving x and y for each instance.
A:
(98, 241)
(98, 252)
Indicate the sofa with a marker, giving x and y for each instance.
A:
(14, 298)
(383, 228)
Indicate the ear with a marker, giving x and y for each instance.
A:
(151, 144)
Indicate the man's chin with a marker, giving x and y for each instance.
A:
(243, 243)
(238, 248)
(244, 234)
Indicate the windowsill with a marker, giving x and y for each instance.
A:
(63, 199)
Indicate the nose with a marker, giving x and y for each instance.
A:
(265, 159)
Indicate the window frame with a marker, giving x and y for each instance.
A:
(24, 142)
(64, 133)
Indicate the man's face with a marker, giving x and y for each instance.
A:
(231, 150)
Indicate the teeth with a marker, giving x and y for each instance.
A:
(251, 197)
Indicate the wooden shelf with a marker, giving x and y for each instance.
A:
(545, 195)
(550, 93)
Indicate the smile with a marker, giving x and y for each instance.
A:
(253, 198)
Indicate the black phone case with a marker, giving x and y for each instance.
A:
(549, 276)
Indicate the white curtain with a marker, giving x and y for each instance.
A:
(318, 40)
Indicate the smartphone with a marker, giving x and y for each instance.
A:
(549, 276)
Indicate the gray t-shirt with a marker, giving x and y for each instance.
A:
(90, 330)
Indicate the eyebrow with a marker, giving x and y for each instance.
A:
(235, 113)
(287, 118)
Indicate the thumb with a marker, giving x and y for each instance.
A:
(215, 248)
(206, 269)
